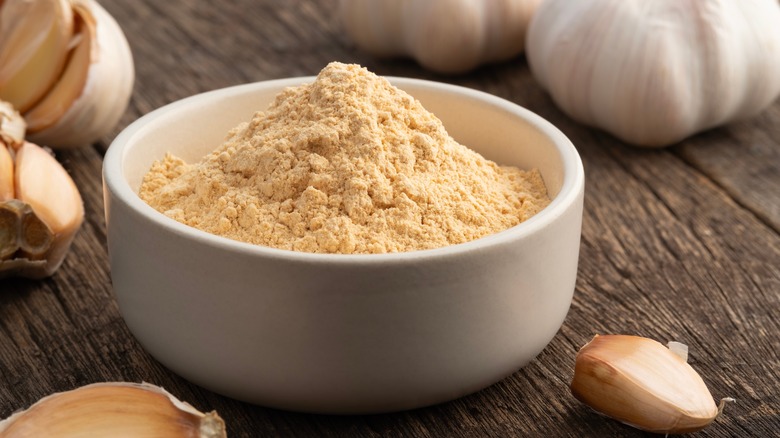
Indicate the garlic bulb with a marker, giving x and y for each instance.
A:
(40, 207)
(66, 66)
(641, 383)
(655, 72)
(107, 410)
(447, 36)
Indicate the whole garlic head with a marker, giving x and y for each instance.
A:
(655, 72)
(446, 36)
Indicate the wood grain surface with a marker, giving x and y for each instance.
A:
(679, 244)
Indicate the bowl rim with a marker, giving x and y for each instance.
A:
(571, 187)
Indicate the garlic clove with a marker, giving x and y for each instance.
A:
(6, 173)
(48, 210)
(12, 125)
(641, 383)
(46, 186)
(95, 89)
(70, 84)
(34, 41)
(116, 409)
(40, 207)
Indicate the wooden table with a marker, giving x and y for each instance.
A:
(679, 244)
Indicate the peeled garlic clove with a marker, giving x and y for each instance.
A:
(107, 75)
(641, 383)
(48, 209)
(33, 50)
(12, 125)
(117, 409)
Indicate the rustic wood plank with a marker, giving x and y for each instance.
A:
(681, 243)
(744, 158)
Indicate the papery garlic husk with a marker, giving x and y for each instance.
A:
(12, 126)
(114, 409)
(655, 72)
(641, 383)
(38, 223)
(91, 88)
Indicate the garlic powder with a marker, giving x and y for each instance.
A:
(347, 164)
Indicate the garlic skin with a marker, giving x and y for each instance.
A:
(12, 129)
(445, 36)
(88, 92)
(640, 382)
(114, 409)
(655, 72)
(12, 125)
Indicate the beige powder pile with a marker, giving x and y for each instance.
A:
(346, 164)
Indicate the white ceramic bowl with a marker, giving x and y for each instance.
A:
(343, 333)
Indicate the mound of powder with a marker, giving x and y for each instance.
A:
(347, 164)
